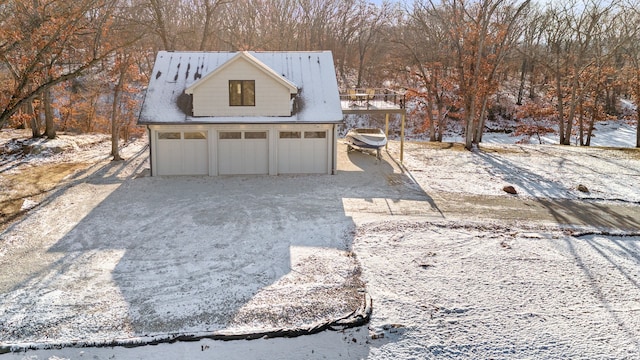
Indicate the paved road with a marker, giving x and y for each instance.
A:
(603, 215)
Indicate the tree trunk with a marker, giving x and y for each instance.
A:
(591, 125)
(49, 124)
(442, 115)
(575, 100)
(432, 121)
(161, 27)
(32, 123)
(637, 126)
(360, 70)
(114, 114)
(209, 10)
(523, 73)
(560, 105)
(469, 121)
(594, 115)
(581, 124)
(208, 13)
(481, 120)
(35, 121)
(92, 112)
(532, 87)
(569, 121)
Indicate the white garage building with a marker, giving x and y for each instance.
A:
(227, 113)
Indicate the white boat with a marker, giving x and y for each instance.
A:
(366, 138)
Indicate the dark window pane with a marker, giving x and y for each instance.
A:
(315, 134)
(235, 93)
(169, 135)
(242, 93)
(249, 93)
(195, 135)
(230, 135)
(289, 134)
(255, 135)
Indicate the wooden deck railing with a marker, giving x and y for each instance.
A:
(362, 97)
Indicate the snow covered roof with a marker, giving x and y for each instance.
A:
(312, 73)
(257, 63)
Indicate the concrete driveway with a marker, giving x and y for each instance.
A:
(119, 257)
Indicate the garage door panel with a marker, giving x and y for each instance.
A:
(289, 156)
(170, 155)
(256, 156)
(316, 150)
(229, 151)
(182, 153)
(243, 156)
(196, 159)
(306, 154)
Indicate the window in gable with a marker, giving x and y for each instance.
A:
(242, 93)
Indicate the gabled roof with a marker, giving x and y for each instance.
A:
(312, 74)
(251, 59)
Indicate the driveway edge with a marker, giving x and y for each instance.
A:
(358, 317)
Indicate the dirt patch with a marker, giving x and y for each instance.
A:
(23, 190)
(14, 134)
(498, 149)
(633, 153)
(438, 145)
(485, 148)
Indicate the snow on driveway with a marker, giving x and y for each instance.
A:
(117, 259)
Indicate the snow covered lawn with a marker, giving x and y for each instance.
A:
(456, 267)
(451, 291)
(536, 171)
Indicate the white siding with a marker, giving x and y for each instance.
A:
(212, 97)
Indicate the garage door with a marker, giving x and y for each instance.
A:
(182, 153)
(243, 153)
(302, 152)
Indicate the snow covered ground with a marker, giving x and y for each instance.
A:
(450, 275)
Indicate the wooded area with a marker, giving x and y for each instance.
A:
(82, 65)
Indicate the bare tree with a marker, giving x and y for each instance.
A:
(575, 34)
(51, 43)
(480, 34)
(371, 20)
(632, 55)
(210, 12)
(422, 45)
(529, 49)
